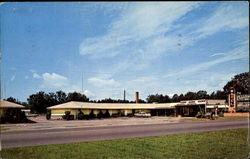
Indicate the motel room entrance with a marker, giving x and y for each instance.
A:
(189, 110)
(163, 112)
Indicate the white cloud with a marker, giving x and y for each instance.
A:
(138, 37)
(13, 68)
(89, 94)
(13, 78)
(32, 70)
(54, 80)
(72, 88)
(69, 87)
(137, 25)
(147, 31)
(97, 82)
(217, 54)
(236, 54)
(35, 75)
(149, 19)
(225, 18)
(145, 85)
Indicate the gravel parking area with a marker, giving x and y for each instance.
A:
(42, 123)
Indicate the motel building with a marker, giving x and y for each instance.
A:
(190, 108)
(238, 102)
(10, 112)
(187, 108)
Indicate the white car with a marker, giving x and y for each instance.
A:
(31, 115)
(142, 114)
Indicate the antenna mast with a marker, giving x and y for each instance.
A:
(124, 96)
(82, 82)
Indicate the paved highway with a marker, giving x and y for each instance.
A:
(20, 138)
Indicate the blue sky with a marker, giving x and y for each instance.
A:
(150, 47)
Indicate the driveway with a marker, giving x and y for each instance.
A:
(20, 138)
(43, 123)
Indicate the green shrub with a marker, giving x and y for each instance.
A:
(221, 114)
(106, 114)
(200, 115)
(91, 115)
(80, 115)
(2, 119)
(67, 116)
(100, 115)
(86, 117)
(48, 114)
(23, 117)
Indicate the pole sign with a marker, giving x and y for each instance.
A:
(231, 98)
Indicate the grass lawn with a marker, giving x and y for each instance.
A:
(3, 128)
(232, 117)
(214, 144)
(218, 118)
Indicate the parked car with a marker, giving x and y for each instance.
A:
(31, 115)
(142, 114)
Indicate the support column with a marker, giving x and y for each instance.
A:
(235, 101)
(125, 112)
(110, 112)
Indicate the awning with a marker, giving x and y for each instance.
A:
(218, 106)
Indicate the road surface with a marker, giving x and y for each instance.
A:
(20, 138)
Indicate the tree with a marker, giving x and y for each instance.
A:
(80, 115)
(142, 101)
(218, 95)
(190, 96)
(61, 97)
(109, 100)
(25, 104)
(51, 99)
(13, 100)
(181, 97)
(175, 98)
(48, 114)
(106, 100)
(152, 98)
(240, 82)
(159, 98)
(77, 97)
(202, 94)
(39, 102)
(124, 101)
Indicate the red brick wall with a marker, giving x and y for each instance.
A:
(236, 114)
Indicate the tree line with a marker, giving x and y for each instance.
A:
(40, 101)
(159, 98)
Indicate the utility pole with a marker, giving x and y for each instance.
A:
(82, 83)
(0, 92)
(0, 75)
(124, 95)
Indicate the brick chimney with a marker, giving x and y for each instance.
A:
(136, 97)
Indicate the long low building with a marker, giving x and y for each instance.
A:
(9, 111)
(183, 108)
(192, 107)
(112, 108)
